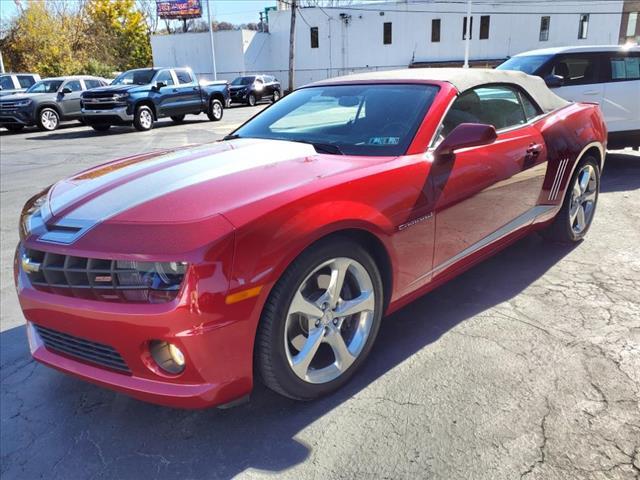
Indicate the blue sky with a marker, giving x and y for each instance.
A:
(234, 11)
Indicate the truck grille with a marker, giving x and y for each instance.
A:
(90, 278)
(8, 106)
(92, 352)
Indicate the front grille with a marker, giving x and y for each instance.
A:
(8, 106)
(91, 278)
(100, 106)
(92, 352)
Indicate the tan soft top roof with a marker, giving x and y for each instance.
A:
(463, 79)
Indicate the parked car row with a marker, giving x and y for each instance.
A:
(607, 75)
(137, 97)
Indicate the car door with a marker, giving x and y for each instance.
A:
(188, 92)
(621, 99)
(486, 188)
(70, 101)
(582, 78)
(166, 97)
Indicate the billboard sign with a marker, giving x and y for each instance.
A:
(179, 9)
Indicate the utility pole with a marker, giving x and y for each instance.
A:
(467, 35)
(213, 52)
(1, 63)
(292, 41)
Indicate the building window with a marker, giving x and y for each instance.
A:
(484, 27)
(632, 21)
(544, 28)
(387, 33)
(584, 26)
(464, 28)
(315, 42)
(435, 30)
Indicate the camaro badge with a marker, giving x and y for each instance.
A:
(103, 278)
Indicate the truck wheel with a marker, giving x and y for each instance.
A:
(251, 101)
(143, 119)
(215, 111)
(14, 128)
(177, 118)
(101, 127)
(48, 119)
(276, 96)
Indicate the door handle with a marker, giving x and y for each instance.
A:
(195, 89)
(532, 153)
(591, 92)
(175, 90)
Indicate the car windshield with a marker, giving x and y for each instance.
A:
(45, 86)
(376, 120)
(243, 80)
(525, 63)
(134, 77)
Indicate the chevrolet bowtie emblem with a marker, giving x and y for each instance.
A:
(29, 265)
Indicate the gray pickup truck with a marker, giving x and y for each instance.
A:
(46, 103)
(139, 97)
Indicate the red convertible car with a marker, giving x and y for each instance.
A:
(180, 276)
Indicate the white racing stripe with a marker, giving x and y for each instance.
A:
(148, 187)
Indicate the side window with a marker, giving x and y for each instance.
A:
(531, 110)
(386, 33)
(624, 68)
(73, 85)
(497, 105)
(165, 77)
(92, 83)
(183, 76)
(315, 39)
(6, 83)
(577, 69)
(25, 81)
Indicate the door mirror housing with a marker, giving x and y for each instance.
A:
(66, 90)
(463, 136)
(554, 81)
(160, 85)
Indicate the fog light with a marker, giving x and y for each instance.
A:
(168, 357)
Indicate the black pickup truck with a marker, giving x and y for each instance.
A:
(141, 96)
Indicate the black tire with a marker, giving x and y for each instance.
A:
(561, 230)
(251, 100)
(141, 118)
(276, 96)
(270, 359)
(215, 111)
(101, 127)
(48, 119)
(177, 118)
(14, 128)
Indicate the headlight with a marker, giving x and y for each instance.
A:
(153, 275)
(120, 97)
(31, 208)
(23, 103)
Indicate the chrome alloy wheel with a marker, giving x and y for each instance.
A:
(329, 320)
(146, 119)
(217, 110)
(49, 119)
(583, 199)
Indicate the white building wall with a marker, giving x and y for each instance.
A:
(356, 43)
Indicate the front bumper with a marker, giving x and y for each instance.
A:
(216, 339)
(16, 116)
(109, 115)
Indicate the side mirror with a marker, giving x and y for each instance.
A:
(463, 136)
(554, 81)
(66, 90)
(160, 85)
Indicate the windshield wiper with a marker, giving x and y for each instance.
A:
(320, 147)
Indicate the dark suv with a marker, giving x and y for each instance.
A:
(46, 103)
(250, 89)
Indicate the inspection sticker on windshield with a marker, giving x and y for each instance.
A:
(384, 140)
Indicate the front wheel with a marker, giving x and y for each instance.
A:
(276, 96)
(215, 110)
(251, 100)
(579, 206)
(48, 119)
(143, 118)
(320, 321)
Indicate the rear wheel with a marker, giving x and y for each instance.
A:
(48, 119)
(177, 118)
(101, 127)
(276, 96)
(143, 118)
(215, 111)
(579, 207)
(320, 321)
(14, 128)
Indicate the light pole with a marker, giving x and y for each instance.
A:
(213, 52)
(467, 35)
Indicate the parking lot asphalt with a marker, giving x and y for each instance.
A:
(527, 366)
